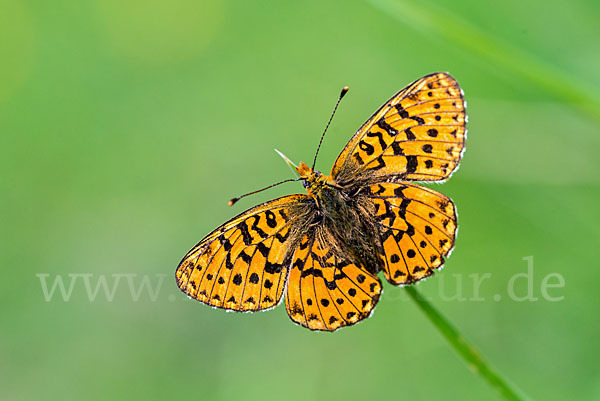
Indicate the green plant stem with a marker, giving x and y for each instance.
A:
(465, 350)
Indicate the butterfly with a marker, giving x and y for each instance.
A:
(324, 249)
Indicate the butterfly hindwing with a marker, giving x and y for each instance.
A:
(418, 135)
(242, 265)
(325, 292)
(417, 229)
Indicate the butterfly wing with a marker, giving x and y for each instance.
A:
(418, 135)
(325, 292)
(242, 265)
(417, 229)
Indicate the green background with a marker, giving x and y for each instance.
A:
(126, 126)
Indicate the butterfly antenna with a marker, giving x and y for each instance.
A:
(234, 200)
(344, 91)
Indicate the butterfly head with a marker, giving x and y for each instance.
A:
(313, 180)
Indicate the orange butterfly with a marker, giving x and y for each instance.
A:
(325, 249)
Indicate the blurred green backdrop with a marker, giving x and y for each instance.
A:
(126, 127)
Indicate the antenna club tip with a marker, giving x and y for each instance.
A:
(233, 201)
(345, 90)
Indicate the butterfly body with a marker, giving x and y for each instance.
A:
(342, 220)
(324, 249)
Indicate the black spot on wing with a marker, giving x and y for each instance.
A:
(245, 257)
(386, 127)
(380, 164)
(379, 136)
(282, 238)
(312, 272)
(411, 164)
(283, 215)
(380, 190)
(418, 119)
(359, 159)
(246, 237)
(225, 242)
(401, 112)
(254, 278)
(228, 263)
(397, 149)
(262, 248)
(273, 268)
(257, 229)
(366, 147)
(271, 220)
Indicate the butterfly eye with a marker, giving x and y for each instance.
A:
(317, 173)
(305, 183)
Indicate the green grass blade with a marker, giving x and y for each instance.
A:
(545, 77)
(465, 350)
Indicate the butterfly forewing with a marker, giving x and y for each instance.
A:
(417, 229)
(325, 292)
(417, 135)
(242, 265)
